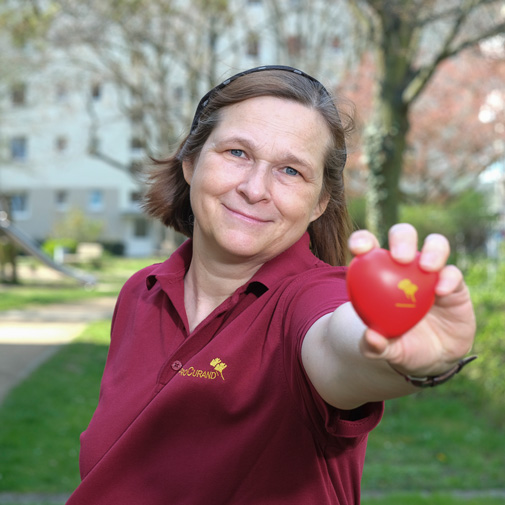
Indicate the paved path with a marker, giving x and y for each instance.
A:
(30, 336)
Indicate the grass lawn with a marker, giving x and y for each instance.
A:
(428, 445)
(42, 418)
(389, 499)
(111, 276)
(436, 440)
(433, 442)
(431, 499)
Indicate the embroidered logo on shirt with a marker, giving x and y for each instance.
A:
(218, 365)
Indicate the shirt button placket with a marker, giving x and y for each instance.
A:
(176, 365)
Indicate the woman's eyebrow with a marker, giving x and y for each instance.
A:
(287, 158)
(237, 139)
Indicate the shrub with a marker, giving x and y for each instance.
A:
(357, 212)
(114, 248)
(68, 244)
(486, 279)
(76, 225)
(464, 220)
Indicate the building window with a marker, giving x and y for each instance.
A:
(136, 58)
(135, 200)
(61, 143)
(336, 43)
(95, 200)
(178, 93)
(19, 148)
(137, 146)
(253, 45)
(136, 168)
(96, 91)
(295, 45)
(140, 227)
(61, 92)
(136, 114)
(135, 197)
(18, 94)
(19, 206)
(94, 144)
(61, 200)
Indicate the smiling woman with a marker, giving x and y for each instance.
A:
(238, 372)
(248, 204)
(168, 195)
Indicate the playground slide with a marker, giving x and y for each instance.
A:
(29, 246)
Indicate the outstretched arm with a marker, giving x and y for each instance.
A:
(350, 365)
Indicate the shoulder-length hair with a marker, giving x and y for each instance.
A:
(167, 196)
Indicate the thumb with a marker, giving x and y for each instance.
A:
(373, 345)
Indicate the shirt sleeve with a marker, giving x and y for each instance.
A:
(316, 293)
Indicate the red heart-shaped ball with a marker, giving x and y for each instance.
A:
(390, 297)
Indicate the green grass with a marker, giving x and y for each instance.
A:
(42, 418)
(18, 297)
(428, 445)
(396, 499)
(430, 499)
(111, 276)
(435, 441)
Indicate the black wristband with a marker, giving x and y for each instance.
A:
(435, 380)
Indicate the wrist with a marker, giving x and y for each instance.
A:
(435, 380)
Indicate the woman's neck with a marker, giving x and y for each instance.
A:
(209, 282)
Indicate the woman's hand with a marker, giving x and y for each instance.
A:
(447, 331)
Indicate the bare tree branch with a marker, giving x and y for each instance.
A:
(422, 76)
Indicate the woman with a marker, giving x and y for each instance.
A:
(238, 372)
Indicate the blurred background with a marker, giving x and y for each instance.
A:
(91, 90)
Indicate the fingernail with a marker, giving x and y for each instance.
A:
(428, 260)
(361, 244)
(402, 252)
(443, 287)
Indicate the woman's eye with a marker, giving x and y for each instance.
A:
(291, 171)
(236, 152)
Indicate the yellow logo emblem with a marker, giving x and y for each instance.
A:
(218, 365)
(409, 290)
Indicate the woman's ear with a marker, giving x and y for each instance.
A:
(187, 170)
(320, 207)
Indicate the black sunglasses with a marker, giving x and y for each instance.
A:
(205, 100)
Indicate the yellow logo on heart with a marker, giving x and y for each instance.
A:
(409, 290)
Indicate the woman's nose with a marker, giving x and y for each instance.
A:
(255, 186)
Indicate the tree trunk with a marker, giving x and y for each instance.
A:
(385, 142)
(385, 138)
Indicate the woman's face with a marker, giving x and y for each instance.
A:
(256, 185)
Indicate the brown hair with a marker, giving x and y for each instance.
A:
(167, 196)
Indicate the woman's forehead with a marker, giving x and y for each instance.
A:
(276, 122)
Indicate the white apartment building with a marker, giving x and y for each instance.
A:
(52, 114)
(46, 168)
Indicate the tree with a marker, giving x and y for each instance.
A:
(456, 130)
(163, 55)
(160, 56)
(457, 127)
(408, 42)
(310, 35)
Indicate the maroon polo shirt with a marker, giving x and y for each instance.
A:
(224, 414)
